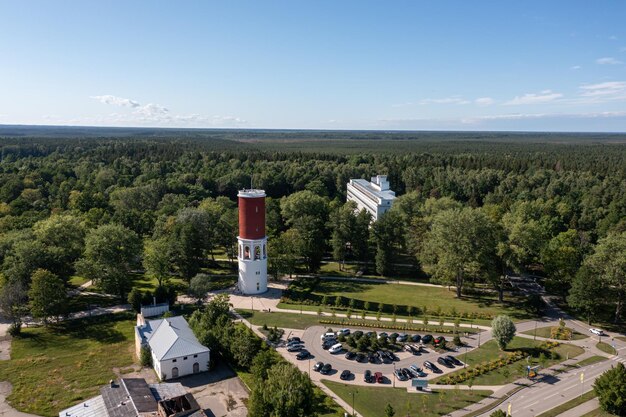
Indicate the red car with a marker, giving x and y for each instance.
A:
(378, 377)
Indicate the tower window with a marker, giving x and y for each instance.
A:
(257, 253)
(256, 209)
(246, 252)
(264, 252)
(258, 286)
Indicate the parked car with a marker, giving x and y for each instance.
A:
(361, 358)
(392, 356)
(358, 334)
(394, 335)
(303, 354)
(294, 339)
(294, 342)
(350, 355)
(439, 340)
(294, 348)
(597, 332)
(336, 348)
(367, 376)
(371, 358)
(418, 371)
(399, 375)
(402, 337)
(318, 366)
(432, 367)
(416, 349)
(327, 344)
(408, 348)
(345, 375)
(454, 360)
(426, 339)
(383, 335)
(420, 349)
(370, 334)
(416, 338)
(445, 362)
(345, 332)
(378, 376)
(329, 335)
(407, 373)
(326, 369)
(411, 373)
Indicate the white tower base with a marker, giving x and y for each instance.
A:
(252, 258)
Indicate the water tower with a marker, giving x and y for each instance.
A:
(252, 242)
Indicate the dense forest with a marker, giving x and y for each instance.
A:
(472, 207)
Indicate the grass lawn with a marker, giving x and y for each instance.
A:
(598, 412)
(606, 348)
(433, 298)
(54, 368)
(82, 302)
(406, 273)
(546, 332)
(280, 320)
(509, 373)
(591, 360)
(371, 401)
(77, 281)
(569, 404)
(622, 338)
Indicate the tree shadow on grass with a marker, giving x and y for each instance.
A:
(99, 328)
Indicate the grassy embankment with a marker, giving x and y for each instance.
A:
(546, 332)
(371, 401)
(56, 367)
(509, 373)
(432, 298)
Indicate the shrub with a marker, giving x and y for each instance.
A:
(15, 329)
(145, 357)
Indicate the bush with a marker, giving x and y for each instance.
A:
(145, 357)
(15, 329)
(610, 388)
(457, 340)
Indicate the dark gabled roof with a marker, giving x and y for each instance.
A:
(140, 394)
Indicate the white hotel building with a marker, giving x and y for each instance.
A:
(374, 196)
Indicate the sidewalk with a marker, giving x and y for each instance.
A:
(582, 409)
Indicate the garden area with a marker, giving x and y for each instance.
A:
(372, 401)
(55, 367)
(557, 332)
(488, 365)
(401, 300)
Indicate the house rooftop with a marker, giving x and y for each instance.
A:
(171, 338)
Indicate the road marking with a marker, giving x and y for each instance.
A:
(573, 386)
(530, 405)
(550, 396)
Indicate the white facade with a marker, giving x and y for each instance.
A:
(174, 348)
(252, 257)
(373, 196)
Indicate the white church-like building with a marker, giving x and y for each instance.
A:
(252, 242)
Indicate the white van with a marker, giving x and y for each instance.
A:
(335, 348)
(327, 336)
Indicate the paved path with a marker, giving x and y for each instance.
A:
(582, 409)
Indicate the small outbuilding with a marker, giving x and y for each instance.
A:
(174, 348)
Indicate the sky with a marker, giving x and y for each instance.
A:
(384, 65)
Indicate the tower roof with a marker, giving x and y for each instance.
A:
(251, 193)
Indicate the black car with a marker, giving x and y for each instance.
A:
(327, 344)
(370, 334)
(326, 369)
(416, 338)
(371, 358)
(407, 373)
(454, 360)
(411, 373)
(382, 335)
(427, 339)
(357, 334)
(392, 357)
(318, 366)
(350, 355)
(394, 335)
(361, 357)
(445, 362)
(303, 354)
(345, 375)
(294, 348)
(367, 377)
(398, 373)
(294, 339)
(432, 367)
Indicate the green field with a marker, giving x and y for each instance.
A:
(546, 332)
(509, 373)
(432, 298)
(280, 320)
(54, 368)
(371, 401)
(606, 348)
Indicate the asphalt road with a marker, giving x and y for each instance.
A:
(312, 342)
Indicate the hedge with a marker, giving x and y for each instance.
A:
(391, 326)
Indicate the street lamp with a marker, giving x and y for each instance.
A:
(393, 377)
(252, 300)
(535, 333)
(353, 392)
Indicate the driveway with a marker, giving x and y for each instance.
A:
(312, 341)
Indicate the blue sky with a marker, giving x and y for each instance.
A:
(438, 65)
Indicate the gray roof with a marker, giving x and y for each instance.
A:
(117, 401)
(93, 407)
(366, 187)
(140, 394)
(171, 338)
(167, 390)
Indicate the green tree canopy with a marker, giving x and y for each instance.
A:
(503, 330)
(610, 387)
(48, 296)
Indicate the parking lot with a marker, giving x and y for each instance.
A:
(311, 338)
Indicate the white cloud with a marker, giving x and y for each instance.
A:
(608, 61)
(609, 88)
(116, 101)
(484, 101)
(447, 100)
(545, 96)
(575, 67)
(156, 115)
(527, 116)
